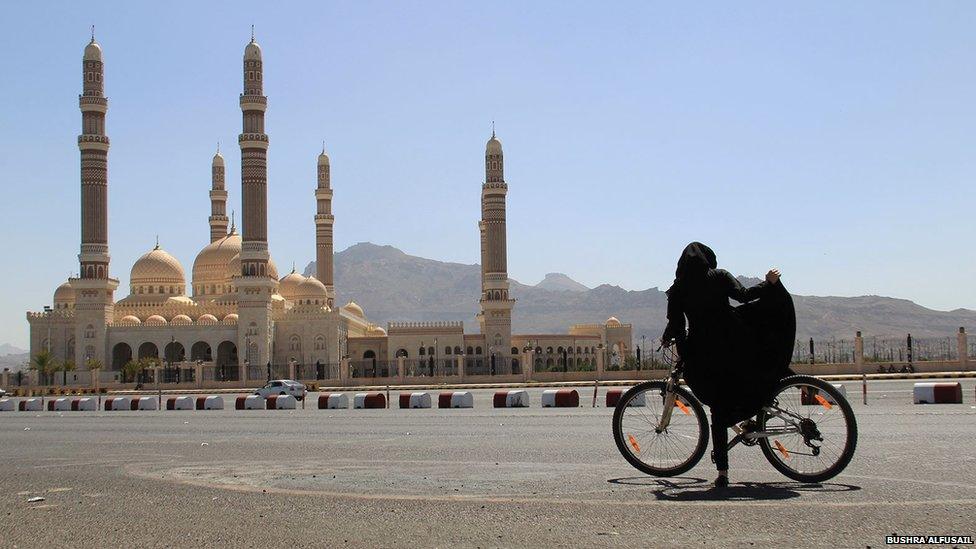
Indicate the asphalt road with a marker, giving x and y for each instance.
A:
(480, 477)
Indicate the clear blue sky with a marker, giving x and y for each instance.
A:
(834, 140)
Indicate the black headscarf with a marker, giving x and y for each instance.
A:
(693, 265)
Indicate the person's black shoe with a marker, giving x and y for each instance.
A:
(722, 481)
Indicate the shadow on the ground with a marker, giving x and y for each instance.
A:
(699, 489)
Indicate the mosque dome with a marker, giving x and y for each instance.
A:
(207, 319)
(230, 319)
(311, 291)
(181, 320)
(64, 296)
(155, 320)
(354, 309)
(212, 264)
(93, 52)
(612, 322)
(130, 320)
(252, 51)
(376, 331)
(157, 269)
(494, 146)
(288, 285)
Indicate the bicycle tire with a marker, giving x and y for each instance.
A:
(850, 444)
(622, 445)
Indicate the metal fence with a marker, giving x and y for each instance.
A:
(372, 368)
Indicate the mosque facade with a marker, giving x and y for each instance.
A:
(236, 320)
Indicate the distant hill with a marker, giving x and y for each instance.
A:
(560, 282)
(8, 349)
(392, 285)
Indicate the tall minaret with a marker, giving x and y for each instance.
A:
(324, 220)
(495, 318)
(95, 300)
(254, 286)
(218, 199)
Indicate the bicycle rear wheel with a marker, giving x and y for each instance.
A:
(821, 430)
(664, 453)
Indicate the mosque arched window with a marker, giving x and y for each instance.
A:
(548, 350)
(89, 332)
(295, 344)
(477, 350)
(457, 350)
(422, 351)
(447, 350)
(470, 350)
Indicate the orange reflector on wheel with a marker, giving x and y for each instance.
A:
(681, 405)
(782, 449)
(633, 442)
(823, 402)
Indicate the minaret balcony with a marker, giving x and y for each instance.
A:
(90, 103)
(325, 218)
(254, 102)
(92, 141)
(253, 140)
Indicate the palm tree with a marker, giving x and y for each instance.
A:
(93, 364)
(67, 366)
(44, 363)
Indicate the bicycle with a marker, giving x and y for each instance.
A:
(807, 431)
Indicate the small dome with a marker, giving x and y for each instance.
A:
(157, 267)
(155, 320)
(64, 296)
(494, 146)
(252, 51)
(218, 159)
(288, 285)
(207, 319)
(181, 320)
(130, 319)
(612, 322)
(230, 319)
(354, 309)
(311, 291)
(93, 52)
(376, 331)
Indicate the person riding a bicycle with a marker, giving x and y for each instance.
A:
(733, 356)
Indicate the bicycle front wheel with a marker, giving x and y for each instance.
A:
(811, 430)
(666, 452)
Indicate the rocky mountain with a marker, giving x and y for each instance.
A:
(560, 282)
(8, 349)
(392, 285)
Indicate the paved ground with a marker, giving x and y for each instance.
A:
(481, 477)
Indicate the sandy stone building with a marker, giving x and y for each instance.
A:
(236, 320)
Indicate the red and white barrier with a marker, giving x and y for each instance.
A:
(938, 393)
(333, 401)
(8, 405)
(252, 402)
(118, 403)
(212, 402)
(32, 405)
(148, 403)
(88, 404)
(511, 399)
(414, 400)
(179, 403)
(282, 402)
(455, 399)
(614, 395)
(560, 398)
(369, 400)
(62, 404)
(808, 395)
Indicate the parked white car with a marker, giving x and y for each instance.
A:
(283, 387)
(3, 393)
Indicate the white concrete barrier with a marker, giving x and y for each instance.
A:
(148, 403)
(213, 402)
(560, 398)
(121, 403)
(282, 402)
(62, 404)
(614, 396)
(88, 404)
(254, 402)
(33, 405)
(8, 405)
(462, 399)
(511, 399)
(183, 403)
(333, 401)
(938, 393)
(420, 400)
(369, 400)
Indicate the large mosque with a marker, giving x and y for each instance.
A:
(236, 318)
